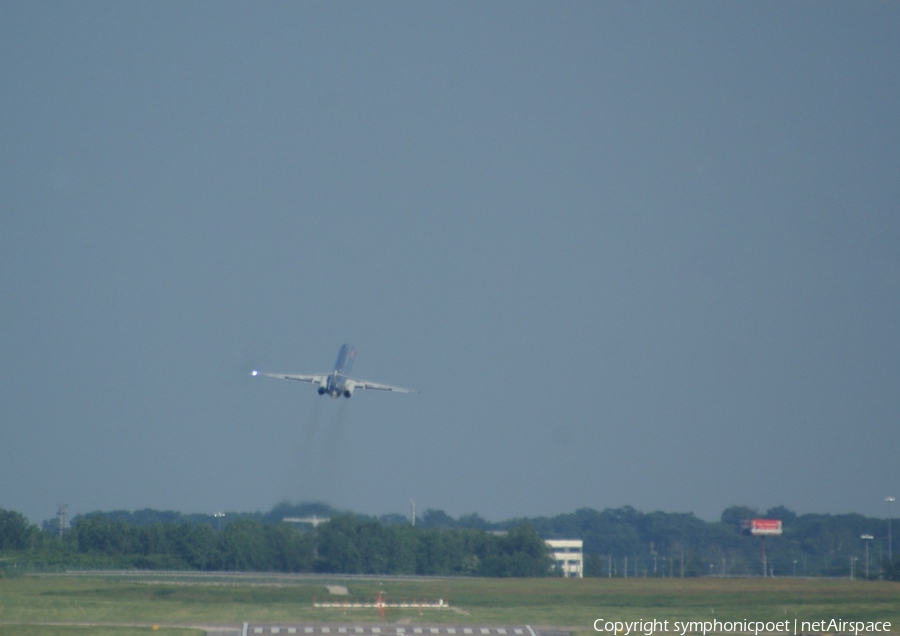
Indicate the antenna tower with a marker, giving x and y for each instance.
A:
(62, 519)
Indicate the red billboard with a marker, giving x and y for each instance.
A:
(765, 526)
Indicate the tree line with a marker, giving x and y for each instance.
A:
(617, 542)
(667, 544)
(346, 544)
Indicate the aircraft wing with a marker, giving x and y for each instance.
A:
(374, 386)
(314, 379)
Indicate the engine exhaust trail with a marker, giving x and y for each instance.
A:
(333, 451)
(311, 425)
(301, 483)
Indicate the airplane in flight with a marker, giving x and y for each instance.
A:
(338, 382)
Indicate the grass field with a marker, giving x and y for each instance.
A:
(573, 603)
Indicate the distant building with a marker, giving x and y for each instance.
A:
(568, 556)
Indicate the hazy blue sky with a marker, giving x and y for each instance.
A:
(631, 253)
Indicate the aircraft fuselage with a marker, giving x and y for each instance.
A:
(336, 383)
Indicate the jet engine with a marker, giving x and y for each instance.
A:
(348, 392)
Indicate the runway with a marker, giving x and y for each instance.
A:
(349, 629)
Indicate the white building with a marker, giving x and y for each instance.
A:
(568, 556)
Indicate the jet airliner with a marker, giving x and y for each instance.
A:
(338, 382)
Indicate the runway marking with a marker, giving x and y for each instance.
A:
(408, 630)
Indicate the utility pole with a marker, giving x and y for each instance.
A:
(866, 538)
(412, 503)
(890, 500)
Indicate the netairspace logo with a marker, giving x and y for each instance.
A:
(643, 627)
